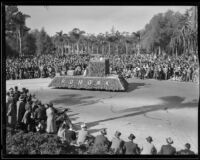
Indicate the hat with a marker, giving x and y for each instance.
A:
(117, 134)
(11, 89)
(46, 106)
(131, 137)
(39, 102)
(149, 139)
(169, 140)
(103, 131)
(83, 126)
(50, 104)
(187, 145)
(22, 97)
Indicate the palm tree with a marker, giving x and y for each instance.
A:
(77, 35)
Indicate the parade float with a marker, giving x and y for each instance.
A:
(96, 77)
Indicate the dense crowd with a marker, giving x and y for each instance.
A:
(25, 112)
(181, 68)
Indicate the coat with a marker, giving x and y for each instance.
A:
(12, 114)
(185, 152)
(27, 117)
(51, 123)
(101, 140)
(82, 136)
(131, 148)
(70, 136)
(148, 149)
(117, 145)
(40, 113)
(167, 150)
(20, 111)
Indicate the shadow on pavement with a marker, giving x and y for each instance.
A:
(170, 102)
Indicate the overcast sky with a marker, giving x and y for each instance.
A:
(93, 19)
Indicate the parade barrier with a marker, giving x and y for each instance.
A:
(109, 83)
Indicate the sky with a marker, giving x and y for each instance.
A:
(93, 19)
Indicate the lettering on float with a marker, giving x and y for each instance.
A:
(63, 81)
(107, 83)
(71, 81)
(98, 82)
(89, 82)
(80, 82)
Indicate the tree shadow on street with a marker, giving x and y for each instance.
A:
(133, 86)
(169, 102)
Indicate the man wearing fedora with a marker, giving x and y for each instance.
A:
(117, 143)
(168, 149)
(131, 147)
(102, 140)
(186, 151)
(148, 147)
(20, 109)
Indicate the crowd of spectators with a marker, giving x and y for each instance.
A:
(25, 112)
(181, 68)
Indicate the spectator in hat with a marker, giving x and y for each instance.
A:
(168, 149)
(101, 140)
(148, 147)
(16, 93)
(51, 122)
(20, 109)
(117, 143)
(186, 151)
(82, 134)
(40, 112)
(131, 147)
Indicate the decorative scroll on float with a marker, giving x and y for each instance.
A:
(97, 78)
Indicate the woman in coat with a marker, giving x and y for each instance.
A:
(51, 123)
(12, 113)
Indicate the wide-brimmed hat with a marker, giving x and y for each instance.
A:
(83, 126)
(11, 89)
(131, 136)
(149, 139)
(22, 97)
(103, 131)
(169, 140)
(117, 134)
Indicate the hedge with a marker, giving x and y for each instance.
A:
(112, 83)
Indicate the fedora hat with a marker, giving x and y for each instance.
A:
(169, 140)
(117, 134)
(131, 136)
(103, 131)
(22, 97)
(149, 139)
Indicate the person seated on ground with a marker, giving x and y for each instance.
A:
(168, 149)
(186, 151)
(148, 147)
(131, 147)
(117, 143)
(40, 127)
(70, 135)
(82, 135)
(101, 140)
(61, 132)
